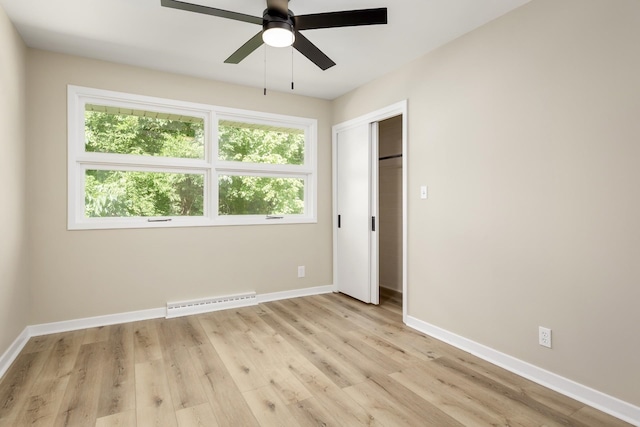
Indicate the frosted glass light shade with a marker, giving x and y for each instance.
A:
(278, 37)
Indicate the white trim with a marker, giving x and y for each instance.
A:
(399, 108)
(18, 344)
(78, 161)
(405, 212)
(603, 402)
(374, 209)
(154, 313)
(13, 351)
(94, 322)
(296, 293)
(375, 116)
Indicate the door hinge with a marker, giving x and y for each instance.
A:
(338, 221)
(373, 223)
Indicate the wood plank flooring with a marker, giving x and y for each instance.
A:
(324, 360)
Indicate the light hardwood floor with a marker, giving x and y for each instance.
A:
(314, 361)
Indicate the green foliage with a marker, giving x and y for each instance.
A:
(242, 195)
(241, 143)
(251, 195)
(115, 193)
(127, 134)
(146, 194)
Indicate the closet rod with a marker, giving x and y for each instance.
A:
(390, 157)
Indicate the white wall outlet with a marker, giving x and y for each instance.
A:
(424, 192)
(301, 271)
(544, 336)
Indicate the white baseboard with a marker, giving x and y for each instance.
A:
(14, 349)
(611, 405)
(94, 322)
(304, 292)
(133, 316)
(603, 402)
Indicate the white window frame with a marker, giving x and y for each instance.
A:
(211, 167)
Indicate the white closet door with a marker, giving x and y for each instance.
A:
(354, 209)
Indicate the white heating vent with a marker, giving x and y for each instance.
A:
(184, 308)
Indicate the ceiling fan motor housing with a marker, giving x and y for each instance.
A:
(273, 18)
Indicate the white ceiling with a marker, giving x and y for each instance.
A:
(142, 33)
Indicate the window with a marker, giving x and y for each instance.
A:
(137, 162)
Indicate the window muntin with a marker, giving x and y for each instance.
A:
(168, 145)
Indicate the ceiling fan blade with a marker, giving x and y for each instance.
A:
(211, 11)
(244, 51)
(346, 18)
(315, 55)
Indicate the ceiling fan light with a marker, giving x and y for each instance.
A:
(278, 34)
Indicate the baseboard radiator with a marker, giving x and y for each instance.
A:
(206, 305)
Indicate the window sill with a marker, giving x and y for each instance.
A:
(140, 223)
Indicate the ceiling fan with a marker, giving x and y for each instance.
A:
(280, 27)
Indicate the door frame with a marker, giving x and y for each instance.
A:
(399, 108)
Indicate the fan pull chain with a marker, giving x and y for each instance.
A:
(265, 70)
(292, 67)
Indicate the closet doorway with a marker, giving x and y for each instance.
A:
(390, 211)
(370, 187)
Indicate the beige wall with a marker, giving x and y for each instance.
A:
(78, 274)
(14, 291)
(527, 132)
(390, 203)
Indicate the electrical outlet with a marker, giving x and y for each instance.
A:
(301, 271)
(544, 336)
